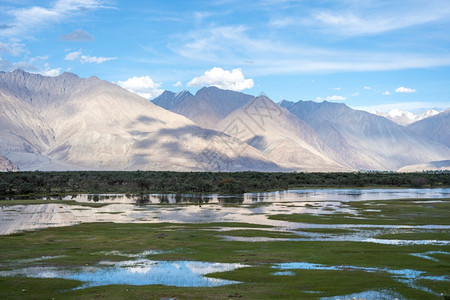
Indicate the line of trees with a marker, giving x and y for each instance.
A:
(57, 183)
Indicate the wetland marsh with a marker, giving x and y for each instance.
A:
(298, 244)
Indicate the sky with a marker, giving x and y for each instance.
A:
(370, 54)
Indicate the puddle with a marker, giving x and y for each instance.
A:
(284, 273)
(427, 255)
(405, 276)
(137, 272)
(379, 295)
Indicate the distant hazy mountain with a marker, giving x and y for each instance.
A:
(67, 122)
(434, 129)
(281, 136)
(364, 140)
(442, 165)
(6, 165)
(404, 118)
(207, 107)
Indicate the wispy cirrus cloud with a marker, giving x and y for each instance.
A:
(27, 20)
(78, 55)
(236, 45)
(356, 18)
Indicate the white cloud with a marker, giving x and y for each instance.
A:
(51, 72)
(403, 89)
(331, 98)
(385, 93)
(223, 79)
(177, 84)
(143, 86)
(367, 87)
(337, 89)
(87, 58)
(73, 55)
(335, 98)
(355, 94)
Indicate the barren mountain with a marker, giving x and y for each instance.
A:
(170, 100)
(6, 165)
(442, 165)
(67, 122)
(434, 129)
(280, 135)
(364, 140)
(207, 107)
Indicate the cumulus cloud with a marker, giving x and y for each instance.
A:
(51, 72)
(385, 93)
(337, 88)
(78, 55)
(335, 98)
(78, 35)
(143, 86)
(177, 84)
(403, 89)
(367, 87)
(223, 79)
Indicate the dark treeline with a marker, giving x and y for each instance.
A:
(56, 183)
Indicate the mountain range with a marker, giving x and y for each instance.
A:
(71, 123)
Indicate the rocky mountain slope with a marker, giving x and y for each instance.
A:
(281, 136)
(6, 165)
(209, 105)
(67, 122)
(72, 123)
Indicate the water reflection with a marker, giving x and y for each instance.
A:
(252, 208)
(310, 195)
(137, 272)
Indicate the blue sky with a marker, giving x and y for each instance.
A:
(369, 54)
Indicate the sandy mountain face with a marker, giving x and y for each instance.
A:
(67, 122)
(209, 105)
(364, 140)
(405, 118)
(442, 165)
(435, 129)
(7, 166)
(280, 135)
